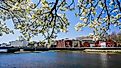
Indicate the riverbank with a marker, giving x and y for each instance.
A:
(77, 51)
(81, 49)
(103, 51)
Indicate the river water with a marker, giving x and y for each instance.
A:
(68, 59)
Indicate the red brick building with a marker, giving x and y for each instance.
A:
(60, 44)
(108, 43)
(86, 41)
(111, 43)
(68, 43)
(86, 44)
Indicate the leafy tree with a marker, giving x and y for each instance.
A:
(99, 15)
(113, 36)
(4, 29)
(48, 17)
(118, 38)
(45, 17)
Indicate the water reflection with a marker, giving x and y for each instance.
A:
(104, 60)
(60, 60)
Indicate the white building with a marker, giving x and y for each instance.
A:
(102, 44)
(86, 39)
(4, 45)
(19, 43)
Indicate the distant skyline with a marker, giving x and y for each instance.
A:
(72, 33)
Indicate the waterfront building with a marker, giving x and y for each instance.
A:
(60, 43)
(86, 44)
(111, 43)
(19, 43)
(64, 43)
(77, 43)
(4, 45)
(100, 43)
(86, 41)
(107, 43)
(118, 44)
(53, 43)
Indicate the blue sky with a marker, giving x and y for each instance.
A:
(72, 33)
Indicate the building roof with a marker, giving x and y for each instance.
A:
(84, 38)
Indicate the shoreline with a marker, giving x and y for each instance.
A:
(82, 49)
(75, 51)
(91, 52)
(102, 51)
